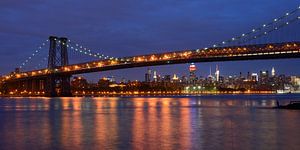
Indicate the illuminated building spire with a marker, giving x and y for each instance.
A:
(217, 73)
(210, 75)
(154, 76)
(273, 72)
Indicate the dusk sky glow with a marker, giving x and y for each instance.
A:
(133, 27)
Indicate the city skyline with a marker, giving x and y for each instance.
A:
(200, 72)
(213, 71)
(262, 82)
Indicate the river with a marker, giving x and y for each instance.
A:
(200, 122)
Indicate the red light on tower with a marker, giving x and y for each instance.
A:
(192, 67)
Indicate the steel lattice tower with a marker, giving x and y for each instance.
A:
(58, 57)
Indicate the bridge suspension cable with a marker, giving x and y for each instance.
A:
(76, 47)
(35, 53)
(81, 49)
(264, 29)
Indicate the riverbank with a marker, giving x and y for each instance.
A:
(158, 94)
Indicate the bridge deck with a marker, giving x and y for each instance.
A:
(246, 52)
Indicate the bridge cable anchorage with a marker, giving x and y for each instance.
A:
(36, 52)
(81, 49)
(263, 28)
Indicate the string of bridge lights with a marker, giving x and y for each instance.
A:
(264, 26)
(79, 48)
(45, 58)
(276, 28)
(33, 54)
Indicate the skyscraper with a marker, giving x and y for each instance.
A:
(263, 77)
(175, 78)
(210, 75)
(254, 77)
(217, 73)
(154, 76)
(192, 69)
(273, 73)
(148, 75)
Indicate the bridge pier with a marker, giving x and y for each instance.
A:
(66, 86)
(58, 86)
(51, 87)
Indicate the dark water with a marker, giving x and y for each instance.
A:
(206, 122)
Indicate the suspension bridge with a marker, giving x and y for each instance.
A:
(276, 39)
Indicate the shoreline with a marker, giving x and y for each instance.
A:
(156, 95)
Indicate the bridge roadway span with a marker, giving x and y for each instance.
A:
(234, 53)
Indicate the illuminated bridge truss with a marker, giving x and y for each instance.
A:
(246, 52)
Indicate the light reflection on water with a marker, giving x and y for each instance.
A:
(206, 122)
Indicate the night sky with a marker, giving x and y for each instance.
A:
(132, 27)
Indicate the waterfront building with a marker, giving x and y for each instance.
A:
(103, 82)
(79, 82)
(295, 81)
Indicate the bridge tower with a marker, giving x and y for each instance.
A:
(58, 57)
